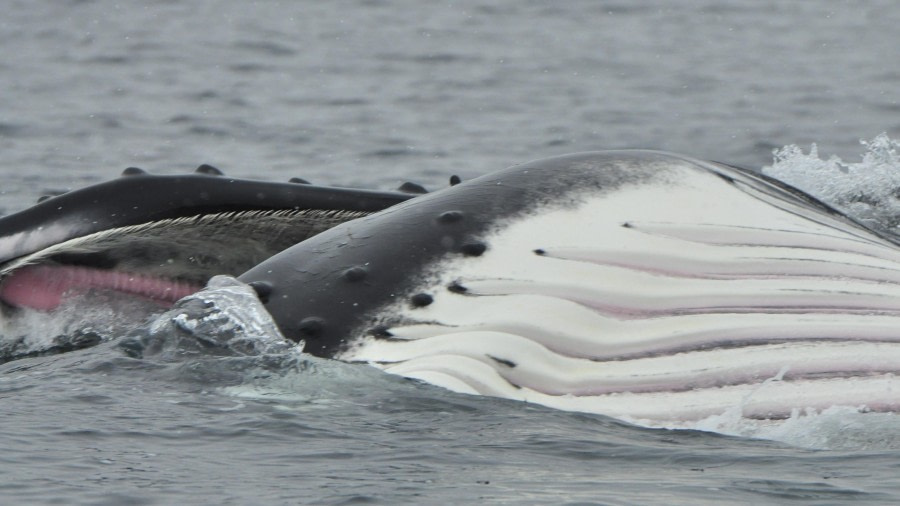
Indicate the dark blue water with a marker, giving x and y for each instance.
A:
(372, 93)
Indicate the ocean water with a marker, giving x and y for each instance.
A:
(372, 93)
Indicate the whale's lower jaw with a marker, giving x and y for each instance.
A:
(727, 297)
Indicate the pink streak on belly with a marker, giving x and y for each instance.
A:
(44, 287)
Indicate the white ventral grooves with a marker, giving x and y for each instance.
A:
(673, 299)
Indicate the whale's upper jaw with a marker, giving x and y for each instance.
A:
(180, 229)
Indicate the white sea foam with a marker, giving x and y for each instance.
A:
(868, 190)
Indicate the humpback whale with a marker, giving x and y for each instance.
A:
(638, 284)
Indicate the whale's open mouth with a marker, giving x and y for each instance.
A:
(162, 261)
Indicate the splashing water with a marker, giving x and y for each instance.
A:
(81, 321)
(868, 191)
(224, 319)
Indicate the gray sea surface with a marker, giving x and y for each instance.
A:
(369, 93)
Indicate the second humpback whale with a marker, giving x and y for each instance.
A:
(163, 237)
(638, 284)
